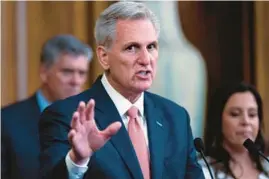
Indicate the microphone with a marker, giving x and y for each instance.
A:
(199, 146)
(251, 147)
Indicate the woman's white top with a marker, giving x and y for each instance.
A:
(222, 175)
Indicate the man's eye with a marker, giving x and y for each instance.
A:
(131, 48)
(151, 46)
(67, 71)
(82, 73)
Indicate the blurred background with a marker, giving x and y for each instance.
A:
(203, 45)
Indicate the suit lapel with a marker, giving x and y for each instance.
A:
(34, 114)
(157, 132)
(105, 114)
(34, 106)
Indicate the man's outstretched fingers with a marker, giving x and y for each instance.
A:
(75, 122)
(90, 109)
(82, 110)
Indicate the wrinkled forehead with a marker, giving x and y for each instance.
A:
(70, 60)
(136, 30)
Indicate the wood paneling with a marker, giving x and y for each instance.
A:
(8, 53)
(248, 42)
(46, 19)
(262, 57)
(96, 7)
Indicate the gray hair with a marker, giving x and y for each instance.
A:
(105, 27)
(63, 44)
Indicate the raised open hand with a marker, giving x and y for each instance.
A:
(84, 135)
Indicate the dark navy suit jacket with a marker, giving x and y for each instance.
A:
(172, 155)
(19, 140)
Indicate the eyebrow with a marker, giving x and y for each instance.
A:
(239, 108)
(139, 44)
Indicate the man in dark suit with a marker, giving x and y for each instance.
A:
(116, 129)
(63, 72)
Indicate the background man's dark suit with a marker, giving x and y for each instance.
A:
(170, 140)
(20, 142)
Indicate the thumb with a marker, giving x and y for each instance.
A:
(112, 129)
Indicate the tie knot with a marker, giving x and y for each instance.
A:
(132, 112)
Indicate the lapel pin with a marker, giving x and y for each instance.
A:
(159, 123)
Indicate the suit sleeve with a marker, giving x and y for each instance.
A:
(53, 132)
(193, 170)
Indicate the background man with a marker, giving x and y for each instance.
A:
(63, 72)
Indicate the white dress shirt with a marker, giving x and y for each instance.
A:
(122, 105)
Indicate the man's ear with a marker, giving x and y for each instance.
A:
(102, 57)
(43, 71)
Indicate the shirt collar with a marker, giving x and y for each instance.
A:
(41, 100)
(121, 103)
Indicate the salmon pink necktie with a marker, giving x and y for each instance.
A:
(138, 140)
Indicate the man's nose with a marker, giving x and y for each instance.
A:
(144, 57)
(76, 79)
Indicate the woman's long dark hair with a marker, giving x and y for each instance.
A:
(213, 129)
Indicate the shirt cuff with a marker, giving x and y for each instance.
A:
(75, 171)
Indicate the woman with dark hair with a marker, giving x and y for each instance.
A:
(235, 114)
